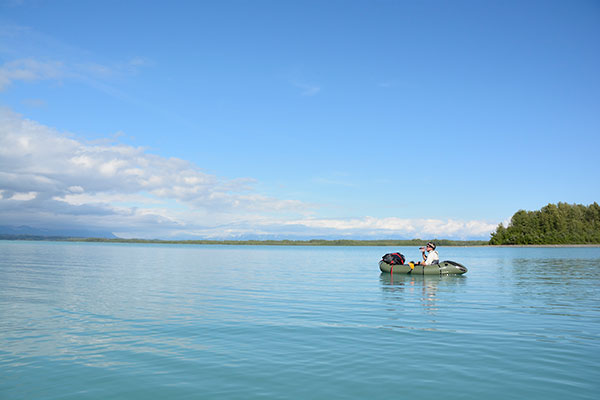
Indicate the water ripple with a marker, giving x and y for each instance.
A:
(95, 321)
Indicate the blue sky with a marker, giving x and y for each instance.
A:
(357, 119)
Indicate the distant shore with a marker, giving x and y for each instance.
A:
(543, 245)
(285, 242)
(312, 242)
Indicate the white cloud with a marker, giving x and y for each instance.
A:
(29, 70)
(34, 103)
(18, 196)
(91, 73)
(50, 179)
(307, 89)
(401, 227)
(69, 177)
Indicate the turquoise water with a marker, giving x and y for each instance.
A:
(122, 321)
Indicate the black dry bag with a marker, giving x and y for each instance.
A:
(393, 258)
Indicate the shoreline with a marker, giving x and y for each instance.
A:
(542, 245)
(311, 243)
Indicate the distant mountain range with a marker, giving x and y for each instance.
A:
(8, 232)
(28, 231)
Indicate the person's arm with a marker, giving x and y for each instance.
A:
(424, 257)
(427, 260)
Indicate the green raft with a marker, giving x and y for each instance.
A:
(443, 268)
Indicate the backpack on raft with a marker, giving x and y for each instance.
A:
(393, 258)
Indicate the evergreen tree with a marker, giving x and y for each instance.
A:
(560, 223)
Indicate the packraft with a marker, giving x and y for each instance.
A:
(443, 268)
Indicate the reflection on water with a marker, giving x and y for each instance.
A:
(417, 289)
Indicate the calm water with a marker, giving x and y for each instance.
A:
(120, 321)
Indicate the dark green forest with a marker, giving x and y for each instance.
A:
(560, 223)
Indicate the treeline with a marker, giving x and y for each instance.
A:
(312, 242)
(560, 223)
(19, 236)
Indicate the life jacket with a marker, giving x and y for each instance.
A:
(435, 257)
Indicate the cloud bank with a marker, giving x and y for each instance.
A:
(49, 179)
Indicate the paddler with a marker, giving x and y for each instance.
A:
(432, 256)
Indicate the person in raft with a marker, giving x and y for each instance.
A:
(432, 256)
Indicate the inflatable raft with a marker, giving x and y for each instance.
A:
(443, 268)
